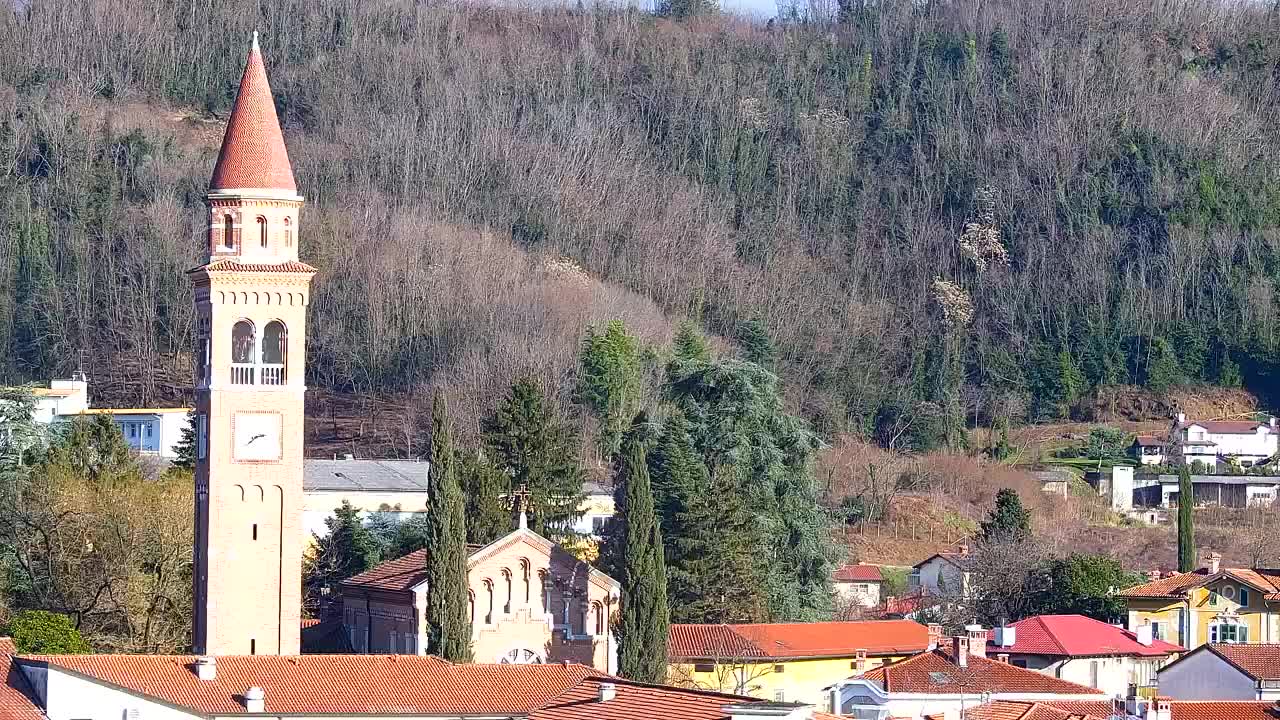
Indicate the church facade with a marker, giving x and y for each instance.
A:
(531, 601)
(251, 299)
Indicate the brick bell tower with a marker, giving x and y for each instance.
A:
(251, 311)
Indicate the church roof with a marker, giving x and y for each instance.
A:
(253, 154)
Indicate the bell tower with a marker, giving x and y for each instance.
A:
(251, 309)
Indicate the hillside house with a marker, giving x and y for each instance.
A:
(858, 583)
(948, 682)
(1082, 650)
(1244, 443)
(531, 602)
(787, 662)
(1149, 450)
(150, 431)
(943, 574)
(1211, 604)
(1235, 491)
(1224, 672)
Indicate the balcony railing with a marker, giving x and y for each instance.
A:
(264, 374)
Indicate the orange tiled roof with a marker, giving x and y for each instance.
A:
(234, 265)
(857, 572)
(1031, 710)
(937, 673)
(797, 640)
(253, 154)
(1224, 710)
(17, 702)
(400, 574)
(638, 701)
(1259, 661)
(1265, 580)
(305, 684)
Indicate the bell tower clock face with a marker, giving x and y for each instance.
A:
(256, 436)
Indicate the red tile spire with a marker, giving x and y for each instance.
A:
(253, 153)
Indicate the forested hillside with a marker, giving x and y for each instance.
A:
(933, 212)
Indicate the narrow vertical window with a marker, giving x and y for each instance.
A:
(202, 430)
(262, 231)
(228, 232)
(255, 531)
(288, 233)
(253, 646)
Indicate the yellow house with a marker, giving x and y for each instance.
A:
(1209, 605)
(790, 662)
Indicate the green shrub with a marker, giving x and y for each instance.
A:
(41, 632)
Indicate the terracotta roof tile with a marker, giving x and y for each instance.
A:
(636, 701)
(233, 265)
(857, 572)
(17, 701)
(798, 640)
(937, 673)
(253, 154)
(1077, 636)
(1031, 710)
(1224, 710)
(305, 684)
(400, 574)
(1261, 661)
(1175, 585)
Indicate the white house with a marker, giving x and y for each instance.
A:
(858, 583)
(945, 574)
(947, 683)
(150, 431)
(1224, 672)
(1082, 650)
(1242, 442)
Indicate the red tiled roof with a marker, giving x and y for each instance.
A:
(17, 701)
(1228, 427)
(253, 154)
(937, 673)
(305, 684)
(638, 701)
(1098, 708)
(1265, 580)
(904, 604)
(1224, 710)
(1030, 710)
(1077, 636)
(797, 640)
(400, 574)
(858, 572)
(233, 265)
(1260, 661)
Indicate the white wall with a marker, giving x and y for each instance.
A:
(866, 592)
(952, 576)
(69, 697)
(1205, 676)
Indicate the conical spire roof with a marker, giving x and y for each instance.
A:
(253, 153)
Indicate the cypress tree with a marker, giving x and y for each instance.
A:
(643, 636)
(448, 624)
(484, 485)
(1186, 529)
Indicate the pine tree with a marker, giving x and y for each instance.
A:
(690, 344)
(1009, 520)
(1186, 527)
(348, 549)
(609, 381)
(185, 449)
(484, 485)
(448, 623)
(757, 346)
(540, 453)
(642, 637)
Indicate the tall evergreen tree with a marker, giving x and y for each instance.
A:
(484, 485)
(348, 549)
(1186, 527)
(448, 623)
(757, 346)
(1009, 520)
(185, 449)
(539, 452)
(610, 384)
(642, 638)
(689, 343)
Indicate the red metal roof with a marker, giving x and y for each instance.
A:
(857, 572)
(937, 673)
(1077, 636)
(253, 154)
(797, 640)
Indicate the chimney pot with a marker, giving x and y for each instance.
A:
(977, 640)
(935, 636)
(1003, 657)
(207, 668)
(255, 700)
(608, 691)
(960, 648)
(1215, 562)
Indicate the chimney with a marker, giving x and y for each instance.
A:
(960, 649)
(1182, 418)
(1215, 562)
(977, 640)
(935, 636)
(1145, 635)
(1153, 575)
(1002, 657)
(608, 691)
(207, 668)
(1006, 636)
(1160, 709)
(860, 661)
(255, 700)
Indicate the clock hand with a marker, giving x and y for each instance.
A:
(255, 437)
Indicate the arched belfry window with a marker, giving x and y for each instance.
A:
(288, 233)
(228, 232)
(243, 346)
(275, 352)
(262, 231)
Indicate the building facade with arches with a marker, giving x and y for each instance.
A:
(531, 601)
